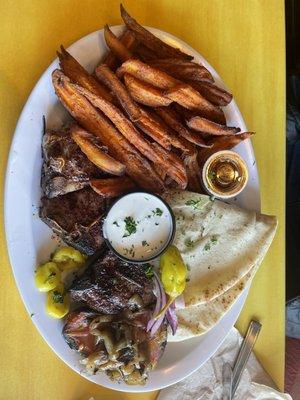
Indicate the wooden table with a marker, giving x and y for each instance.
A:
(244, 41)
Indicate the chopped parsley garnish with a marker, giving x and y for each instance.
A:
(130, 226)
(115, 223)
(145, 243)
(220, 216)
(157, 212)
(214, 239)
(194, 203)
(149, 271)
(207, 246)
(57, 297)
(188, 242)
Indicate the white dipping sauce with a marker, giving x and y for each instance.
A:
(138, 226)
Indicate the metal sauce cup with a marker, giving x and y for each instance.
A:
(224, 174)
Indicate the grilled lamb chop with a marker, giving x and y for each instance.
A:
(77, 218)
(111, 285)
(65, 168)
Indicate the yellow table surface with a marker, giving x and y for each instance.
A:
(244, 41)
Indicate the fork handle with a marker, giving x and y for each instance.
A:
(244, 353)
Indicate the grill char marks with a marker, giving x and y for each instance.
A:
(110, 283)
(77, 218)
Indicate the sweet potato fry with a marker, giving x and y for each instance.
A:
(177, 91)
(173, 61)
(173, 121)
(146, 73)
(124, 125)
(186, 114)
(189, 98)
(185, 71)
(148, 122)
(204, 125)
(137, 167)
(89, 147)
(116, 46)
(128, 130)
(181, 178)
(73, 70)
(141, 119)
(222, 143)
(106, 76)
(160, 126)
(128, 39)
(153, 129)
(193, 173)
(144, 53)
(112, 187)
(212, 93)
(160, 171)
(145, 94)
(151, 41)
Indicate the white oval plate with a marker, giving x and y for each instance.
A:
(30, 241)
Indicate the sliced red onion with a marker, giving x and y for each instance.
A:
(158, 305)
(161, 300)
(172, 318)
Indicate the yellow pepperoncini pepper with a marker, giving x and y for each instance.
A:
(173, 274)
(57, 304)
(68, 258)
(47, 276)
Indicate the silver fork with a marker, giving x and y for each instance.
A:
(244, 353)
(227, 381)
(241, 361)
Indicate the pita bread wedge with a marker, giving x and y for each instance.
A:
(220, 243)
(196, 320)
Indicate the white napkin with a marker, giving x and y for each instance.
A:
(206, 382)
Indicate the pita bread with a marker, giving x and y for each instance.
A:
(220, 243)
(196, 320)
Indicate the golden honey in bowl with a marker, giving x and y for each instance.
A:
(224, 174)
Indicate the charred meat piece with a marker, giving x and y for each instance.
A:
(152, 347)
(77, 218)
(65, 168)
(111, 285)
(77, 334)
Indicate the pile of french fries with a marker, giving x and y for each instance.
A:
(157, 112)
